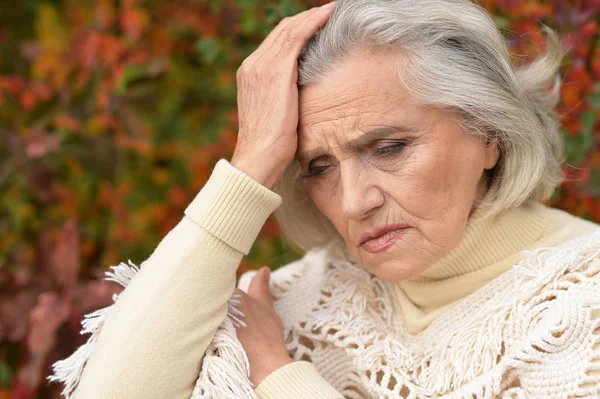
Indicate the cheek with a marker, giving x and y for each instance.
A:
(329, 204)
(422, 193)
(323, 200)
(436, 176)
(416, 181)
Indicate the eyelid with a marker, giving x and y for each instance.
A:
(384, 144)
(317, 158)
(380, 143)
(321, 170)
(389, 142)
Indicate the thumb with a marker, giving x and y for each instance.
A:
(259, 286)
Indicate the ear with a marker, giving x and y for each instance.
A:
(492, 154)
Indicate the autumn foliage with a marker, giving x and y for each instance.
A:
(112, 115)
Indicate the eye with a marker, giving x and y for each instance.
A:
(315, 171)
(394, 148)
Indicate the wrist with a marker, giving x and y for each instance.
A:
(258, 170)
(263, 372)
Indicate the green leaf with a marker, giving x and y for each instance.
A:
(249, 21)
(245, 3)
(588, 118)
(272, 14)
(594, 100)
(5, 375)
(501, 22)
(574, 154)
(577, 147)
(592, 186)
(132, 72)
(208, 49)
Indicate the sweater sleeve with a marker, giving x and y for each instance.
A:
(155, 335)
(296, 380)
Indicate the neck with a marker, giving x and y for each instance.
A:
(487, 241)
(487, 249)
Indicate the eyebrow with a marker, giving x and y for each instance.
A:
(360, 141)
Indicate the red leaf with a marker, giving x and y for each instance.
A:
(21, 391)
(62, 255)
(49, 314)
(133, 23)
(44, 320)
(41, 143)
(13, 323)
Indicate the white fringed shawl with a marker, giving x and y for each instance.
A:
(532, 332)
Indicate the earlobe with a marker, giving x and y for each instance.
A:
(492, 154)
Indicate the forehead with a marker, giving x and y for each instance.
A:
(361, 92)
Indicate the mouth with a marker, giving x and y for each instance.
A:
(382, 238)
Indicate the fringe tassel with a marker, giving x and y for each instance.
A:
(225, 367)
(225, 371)
(345, 317)
(69, 370)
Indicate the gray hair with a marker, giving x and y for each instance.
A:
(453, 57)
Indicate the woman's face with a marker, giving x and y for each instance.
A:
(378, 160)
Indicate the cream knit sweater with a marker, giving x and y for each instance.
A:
(470, 326)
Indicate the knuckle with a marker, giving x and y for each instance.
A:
(257, 70)
(249, 73)
(284, 21)
(252, 77)
(241, 71)
(289, 36)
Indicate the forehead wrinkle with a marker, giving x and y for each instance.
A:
(327, 101)
(362, 140)
(355, 104)
(356, 97)
(366, 107)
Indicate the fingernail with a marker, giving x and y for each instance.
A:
(329, 5)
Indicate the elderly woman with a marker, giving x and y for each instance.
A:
(410, 166)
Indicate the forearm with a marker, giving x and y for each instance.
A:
(155, 335)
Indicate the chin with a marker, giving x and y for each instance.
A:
(393, 271)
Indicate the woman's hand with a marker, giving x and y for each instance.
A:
(267, 98)
(262, 338)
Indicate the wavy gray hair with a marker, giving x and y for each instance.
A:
(452, 56)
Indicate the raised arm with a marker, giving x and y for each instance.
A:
(153, 338)
(151, 342)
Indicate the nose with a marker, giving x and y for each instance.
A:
(360, 193)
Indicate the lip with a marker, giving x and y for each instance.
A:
(382, 237)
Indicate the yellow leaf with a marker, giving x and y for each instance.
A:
(51, 33)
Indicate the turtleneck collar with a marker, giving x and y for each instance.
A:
(485, 242)
(488, 248)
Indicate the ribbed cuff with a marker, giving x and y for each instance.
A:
(296, 380)
(233, 206)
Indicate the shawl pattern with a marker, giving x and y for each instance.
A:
(532, 332)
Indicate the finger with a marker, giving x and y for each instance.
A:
(259, 287)
(268, 42)
(294, 20)
(278, 40)
(285, 43)
(296, 33)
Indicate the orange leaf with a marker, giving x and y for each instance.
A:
(67, 122)
(133, 22)
(27, 100)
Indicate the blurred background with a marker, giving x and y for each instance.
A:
(113, 114)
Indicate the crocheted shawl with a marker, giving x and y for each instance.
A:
(533, 331)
